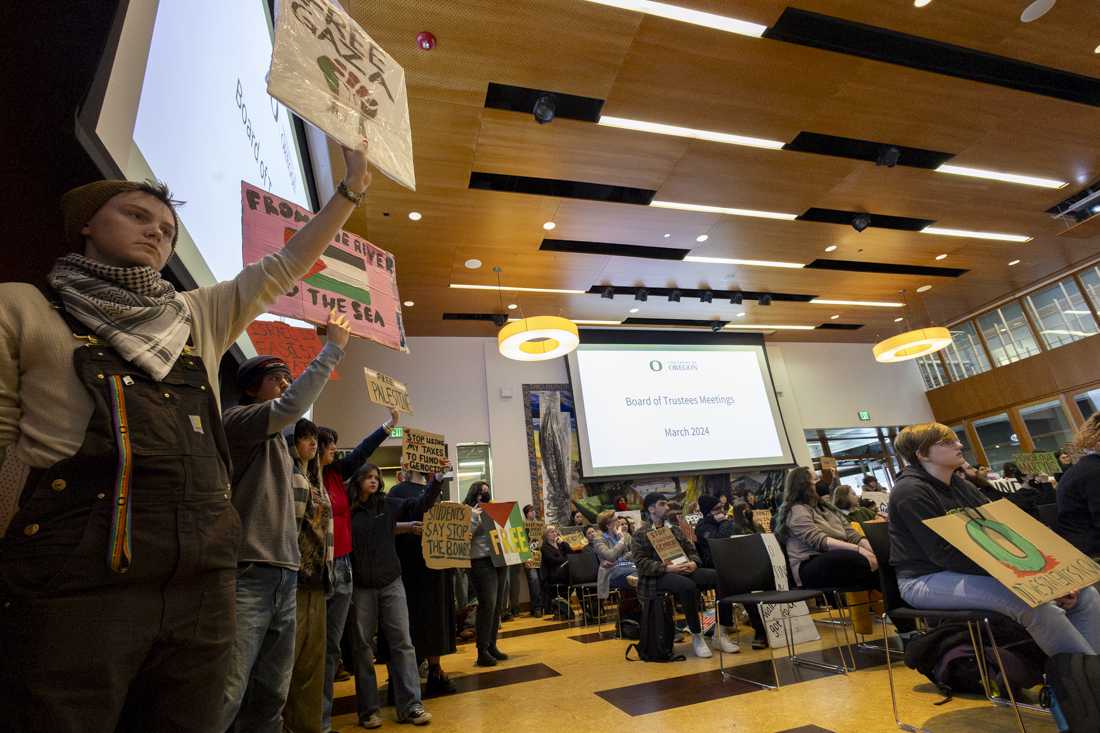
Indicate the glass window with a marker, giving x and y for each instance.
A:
(931, 371)
(1048, 425)
(1061, 313)
(968, 450)
(1001, 444)
(965, 356)
(474, 464)
(1007, 333)
(1088, 402)
(1090, 278)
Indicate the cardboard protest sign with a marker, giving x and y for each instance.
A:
(445, 540)
(576, 540)
(1022, 553)
(828, 462)
(423, 451)
(802, 626)
(326, 68)
(387, 391)
(881, 499)
(763, 517)
(535, 531)
(353, 276)
(1037, 463)
(296, 346)
(508, 537)
(667, 546)
(1006, 485)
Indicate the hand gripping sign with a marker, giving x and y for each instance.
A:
(326, 68)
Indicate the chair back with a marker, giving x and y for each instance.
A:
(584, 567)
(1048, 514)
(743, 564)
(878, 534)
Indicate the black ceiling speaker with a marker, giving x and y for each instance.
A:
(641, 294)
(608, 293)
(764, 299)
(888, 156)
(545, 108)
(706, 296)
(861, 222)
(674, 296)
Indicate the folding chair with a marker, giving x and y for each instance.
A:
(584, 568)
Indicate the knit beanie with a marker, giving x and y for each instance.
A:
(79, 205)
(707, 503)
(255, 369)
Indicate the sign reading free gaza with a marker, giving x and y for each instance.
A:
(352, 276)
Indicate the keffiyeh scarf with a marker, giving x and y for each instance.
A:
(134, 309)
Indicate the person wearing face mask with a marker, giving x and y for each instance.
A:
(379, 594)
(488, 579)
(933, 574)
(334, 473)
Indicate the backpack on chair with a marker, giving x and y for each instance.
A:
(657, 632)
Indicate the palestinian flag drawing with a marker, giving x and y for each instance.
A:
(338, 271)
(508, 536)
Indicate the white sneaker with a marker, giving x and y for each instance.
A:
(699, 647)
(725, 642)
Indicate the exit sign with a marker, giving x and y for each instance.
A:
(864, 415)
(398, 432)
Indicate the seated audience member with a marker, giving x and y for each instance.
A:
(847, 502)
(933, 574)
(534, 585)
(827, 483)
(488, 579)
(1079, 492)
(979, 480)
(684, 580)
(714, 524)
(822, 548)
(612, 547)
(579, 520)
(870, 483)
(379, 594)
(1066, 458)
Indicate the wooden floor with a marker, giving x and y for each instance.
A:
(562, 678)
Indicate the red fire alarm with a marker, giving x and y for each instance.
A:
(425, 40)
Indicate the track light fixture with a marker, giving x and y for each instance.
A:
(608, 293)
(641, 294)
(764, 299)
(674, 296)
(545, 108)
(716, 326)
(888, 156)
(706, 296)
(737, 299)
(861, 222)
(499, 319)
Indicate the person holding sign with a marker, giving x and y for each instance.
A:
(676, 569)
(488, 579)
(379, 594)
(111, 340)
(933, 574)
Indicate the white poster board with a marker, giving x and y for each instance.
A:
(773, 613)
(327, 69)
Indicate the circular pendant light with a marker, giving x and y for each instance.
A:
(912, 344)
(538, 338)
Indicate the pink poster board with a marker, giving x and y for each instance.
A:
(353, 276)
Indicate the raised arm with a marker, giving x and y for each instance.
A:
(286, 409)
(351, 463)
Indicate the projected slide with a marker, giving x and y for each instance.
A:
(647, 409)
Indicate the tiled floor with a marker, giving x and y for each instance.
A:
(553, 683)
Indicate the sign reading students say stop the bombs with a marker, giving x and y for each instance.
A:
(445, 540)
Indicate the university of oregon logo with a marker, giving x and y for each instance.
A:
(656, 366)
(1009, 547)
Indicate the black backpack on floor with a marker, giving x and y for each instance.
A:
(657, 632)
(946, 657)
(1076, 682)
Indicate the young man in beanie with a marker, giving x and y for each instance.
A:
(118, 554)
(269, 558)
(683, 579)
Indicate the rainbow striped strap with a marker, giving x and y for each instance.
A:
(118, 550)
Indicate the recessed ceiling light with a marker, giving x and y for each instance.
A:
(834, 316)
(702, 238)
(509, 288)
(975, 235)
(899, 319)
(667, 235)
(924, 288)
(863, 303)
(920, 3)
(762, 327)
(1013, 263)
(548, 226)
(959, 170)
(1096, 50)
(409, 304)
(415, 215)
(831, 248)
(690, 132)
(512, 306)
(723, 210)
(1036, 10)
(472, 264)
(744, 263)
(741, 314)
(686, 15)
(633, 310)
(941, 257)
